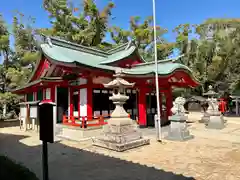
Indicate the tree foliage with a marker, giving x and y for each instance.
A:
(143, 35)
(214, 54)
(211, 49)
(86, 25)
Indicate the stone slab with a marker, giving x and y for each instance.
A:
(120, 147)
(182, 136)
(121, 138)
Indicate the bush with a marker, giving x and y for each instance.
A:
(13, 171)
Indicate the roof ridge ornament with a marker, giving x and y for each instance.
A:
(178, 58)
(118, 72)
(128, 45)
(48, 39)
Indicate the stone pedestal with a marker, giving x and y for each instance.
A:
(215, 122)
(120, 134)
(205, 118)
(178, 129)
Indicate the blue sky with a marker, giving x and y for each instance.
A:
(170, 13)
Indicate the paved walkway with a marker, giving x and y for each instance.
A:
(211, 155)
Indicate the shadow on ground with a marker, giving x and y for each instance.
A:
(74, 164)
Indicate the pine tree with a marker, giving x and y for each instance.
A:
(87, 27)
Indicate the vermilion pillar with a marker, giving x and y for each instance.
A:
(160, 103)
(142, 119)
(79, 103)
(89, 99)
(71, 101)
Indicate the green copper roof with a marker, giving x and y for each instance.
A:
(67, 55)
(67, 52)
(165, 67)
(119, 55)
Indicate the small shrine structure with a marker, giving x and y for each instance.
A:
(72, 76)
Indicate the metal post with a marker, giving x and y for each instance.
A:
(237, 107)
(45, 160)
(159, 134)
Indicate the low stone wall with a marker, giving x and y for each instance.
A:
(196, 107)
(9, 123)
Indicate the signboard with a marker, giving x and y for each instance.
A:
(48, 93)
(33, 112)
(23, 111)
(78, 82)
(101, 80)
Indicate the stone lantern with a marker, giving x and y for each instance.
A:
(215, 120)
(121, 132)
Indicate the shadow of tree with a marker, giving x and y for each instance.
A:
(70, 163)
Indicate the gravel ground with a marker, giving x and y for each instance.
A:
(211, 155)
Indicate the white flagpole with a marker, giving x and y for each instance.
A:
(159, 134)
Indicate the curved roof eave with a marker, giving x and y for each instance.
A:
(152, 73)
(36, 67)
(75, 63)
(119, 56)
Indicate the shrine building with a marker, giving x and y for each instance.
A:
(73, 75)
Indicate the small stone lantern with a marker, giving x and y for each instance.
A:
(215, 120)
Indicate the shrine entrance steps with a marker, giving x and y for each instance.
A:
(77, 133)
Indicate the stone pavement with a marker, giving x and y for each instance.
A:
(211, 155)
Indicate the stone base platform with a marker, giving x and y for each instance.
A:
(205, 118)
(120, 147)
(178, 129)
(120, 137)
(215, 122)
(179, 136)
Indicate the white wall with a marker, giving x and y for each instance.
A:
(83, 102)
(48, 93)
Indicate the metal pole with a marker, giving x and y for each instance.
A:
(159, 138)
(45, 160)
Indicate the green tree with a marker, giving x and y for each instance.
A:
(26, 52)
(214, 56)
(143, 35)
(4, 53)
(87, 25)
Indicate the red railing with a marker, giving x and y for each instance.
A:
(85, 121)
